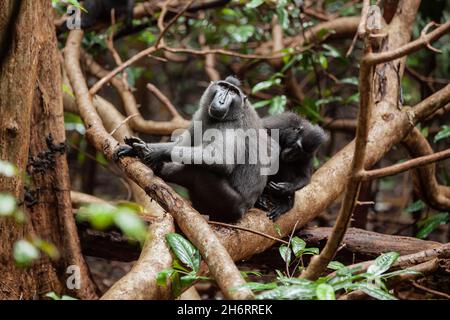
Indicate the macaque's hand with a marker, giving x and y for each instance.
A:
(280, 188)
(264, 203)
(150, 156)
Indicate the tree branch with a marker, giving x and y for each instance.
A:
(405, 166)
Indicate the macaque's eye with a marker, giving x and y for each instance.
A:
(299, 129)
(232, 93)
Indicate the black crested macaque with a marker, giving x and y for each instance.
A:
(299, 141)
(223, 189)
(100, 10)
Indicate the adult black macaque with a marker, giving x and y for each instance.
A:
(100, 10)
(218, 187)
(299, 141)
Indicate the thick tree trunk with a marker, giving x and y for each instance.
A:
(32, 137)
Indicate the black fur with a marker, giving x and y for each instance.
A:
(100, 10)
(299, 141)
(222, 191)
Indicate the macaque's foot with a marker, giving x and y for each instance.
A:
(274, 213)
(264, 203)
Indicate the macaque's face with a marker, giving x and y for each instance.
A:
(291, 144)
(224, 100)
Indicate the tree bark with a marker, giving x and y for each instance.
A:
(32, 137)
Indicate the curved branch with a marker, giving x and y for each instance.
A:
(424, 179)
(138, 123)
(405, 166)
(424, 40)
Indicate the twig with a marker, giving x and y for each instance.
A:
(406, 261)
(407, 165)
(362, 30)
(425, 183)
(171, 22)
(435, 292)
(123, 122)
(262, 234)
(164, 100)
(138, 123)
(424, 40)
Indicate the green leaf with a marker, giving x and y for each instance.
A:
(283, 17)
(431, 223)
(7, 169)
(399, 272)
(8, 204)
(131, 225)
(415, 206)
(335, 265)
(176, 284)
(374, 291)
(162, 276)
(64, 297)
(311, 251)
(285, 253)
(100, 216)
(52, 295)
(257, 286)
(277, 105)
(295, 292)
(443, 134)
(245, 274)
(293, 281)
(266, 84)
(261, 104)
(383, 263)
(176, 264)
(184, 250)
(354, 98)
(323, 33)
(133, 206)
(48, 248)
(323, 61)
(187, 280)
(325, 292)
(328, 100)
(298, 245)
(230, 12)
(66, 89)
(254, 4)
(240, 33)
(352, 80)
(25, 253)
(331, 51)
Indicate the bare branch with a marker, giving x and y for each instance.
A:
(405, 166)
(424, 40)
(164, 100)
(138, 123)
(424, 178)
